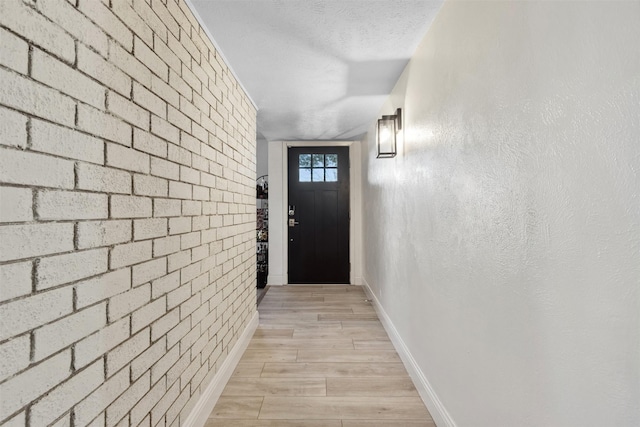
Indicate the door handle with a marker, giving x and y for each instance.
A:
(293, 222)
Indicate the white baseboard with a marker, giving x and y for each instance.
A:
(204, 406)
(273, 280)
(428, 395)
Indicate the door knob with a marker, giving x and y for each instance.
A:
(293, 222)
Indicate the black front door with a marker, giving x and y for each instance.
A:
(318, 215)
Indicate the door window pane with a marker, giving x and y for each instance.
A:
(331, 175)
(318, 175)
(318, 160)
(331, 160)
(305, 175)
(304, 160)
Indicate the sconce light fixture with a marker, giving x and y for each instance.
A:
(388, 128)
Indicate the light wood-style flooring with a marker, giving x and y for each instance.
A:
(320, 358)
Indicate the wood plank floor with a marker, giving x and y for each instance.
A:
(320, 358)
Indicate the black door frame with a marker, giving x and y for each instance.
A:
(355, 238)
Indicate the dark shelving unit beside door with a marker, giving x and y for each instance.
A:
(262, 230)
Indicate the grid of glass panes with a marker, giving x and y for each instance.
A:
(318, 167)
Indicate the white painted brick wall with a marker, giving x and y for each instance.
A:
(19, 420)
(147, 271)
(102, 287)
(147, 314)
(28, 313)
(128, 111)
(91, 234)
(100, 69)
(143, 408)
(98, 401)
(151, 144)
(149, 228)
(13, 131)
(160, 327)
(16, 204)
(134, 22)
(123, 404)
(65, 396)
(165, 246)
(67, 17)
(179, 225)
(180, 190)
(145, 185)
(14, 52)
(35, 98)
(123, 354)
(166, 208)
(36, 29)
(178, 260)
(64, 332)
(150, 59)
(144, 362)
(27, 168)
(126, 167)
(161, 408)
(14, 356)
(97, 178)
(61, 205)
(130, 207)
(98, 422)
(98, 344)
(65, 142)
(123, 59)
(165, 169)
(101, 124)
(130, 253)
(147, 99)
(179, 155)
(164, 129)
(61, 269)
(55, 73)
(125, 303)
(16, 280)
(125, 158)
(31, 384)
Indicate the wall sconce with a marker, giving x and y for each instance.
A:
(388, 127)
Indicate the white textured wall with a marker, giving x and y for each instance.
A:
(127, 212)
(504, 239)
(277, 214)
(262, 157)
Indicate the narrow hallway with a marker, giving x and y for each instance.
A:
(320, 357)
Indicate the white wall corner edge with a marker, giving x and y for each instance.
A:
(200, 412)
(428, 395)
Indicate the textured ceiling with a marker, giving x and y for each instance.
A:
(317, 70)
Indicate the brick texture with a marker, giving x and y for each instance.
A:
(127, 212)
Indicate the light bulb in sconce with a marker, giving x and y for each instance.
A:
(385, 134)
